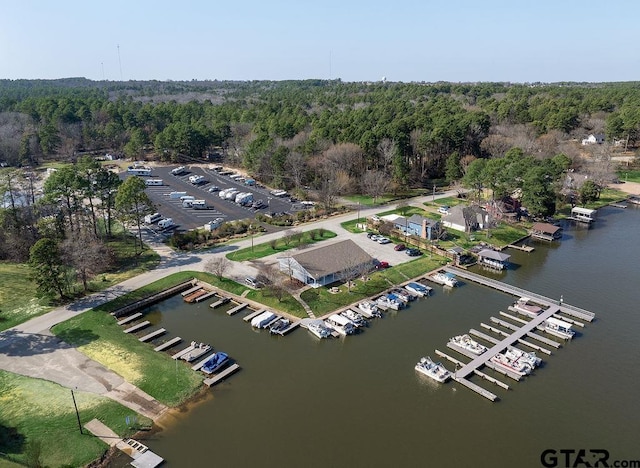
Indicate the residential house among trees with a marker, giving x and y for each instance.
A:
(466, 218)
(341, 261)
(419, 226)
(593, 139)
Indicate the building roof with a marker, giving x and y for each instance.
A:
(494, 255)
(586, 211)
(545, 228)
(332, 258)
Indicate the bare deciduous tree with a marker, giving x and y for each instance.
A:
(218, 266)
(86, 253)
(374, 183)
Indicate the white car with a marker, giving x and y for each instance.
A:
(383, 240)
(443, 210)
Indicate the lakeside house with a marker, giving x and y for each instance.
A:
(466, 218)
(417, 225)
(327, 264)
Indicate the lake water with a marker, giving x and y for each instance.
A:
(299, 401)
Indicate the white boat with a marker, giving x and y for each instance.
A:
(262, 320)
(419, 289)
(448, 279)
(369, 309)
(469, 344)
(198, 350)
(341, 324)
(526, 307)
(518, 354)
(354, 317)
(318, 329)
(559, 328)
(435, 370)
(404, 295)
(387, 302)
(514, 365)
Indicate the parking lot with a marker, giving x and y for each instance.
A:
(228, 210)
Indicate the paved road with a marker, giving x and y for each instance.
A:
(30, 349)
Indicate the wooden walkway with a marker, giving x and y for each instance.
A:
(237, 308)
(228, 371)
(168, 344)
(521, 341)
(153, 334)
(130, 318)
(138, 326)
(184, 351)
(247, 318)
(204, 297)
(568, 309)
(502, 345)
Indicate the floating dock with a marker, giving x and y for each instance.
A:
(477, 372)
(568, 309)
(168, 344)
(153, 334)
(521, 341)
(130, 318)
(191, 290)
(194, 296)
(237, 308)
(530, 334)
(247, 318)
(184, 351)
(291, 327)
(228, 371)
(200, 363)
(206, 296)
(220, 302)
(138, 326)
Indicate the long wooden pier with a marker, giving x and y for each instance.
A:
(568, 309)
(521, 341)
(228, 371)
(236, 309)
(477, 372)
(184, 351)
(247, 318)
(130, 318)
(206, 296)
(530, 334)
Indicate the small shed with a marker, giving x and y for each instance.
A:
(493, 259)
(546, 231)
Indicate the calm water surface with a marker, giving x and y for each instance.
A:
(299, 401)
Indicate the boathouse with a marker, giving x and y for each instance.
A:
(583, 215)
(493, 259)
(546, 231)
(327, 264)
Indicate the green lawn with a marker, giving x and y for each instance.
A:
(323, 302)
(288, 303)
(367, 202)
(629, 176)
(448, 201)
(39, 414)
(18, 302)
(407, 211)
(280, 245)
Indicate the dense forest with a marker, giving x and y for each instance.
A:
(335, 137)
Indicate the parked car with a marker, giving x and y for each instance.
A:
(375, 237)
(444, 209)
(382, 265)
(251, 281)
(400, 247)
(214, 188)
(383, 240)
(370, 234)
(413, 252)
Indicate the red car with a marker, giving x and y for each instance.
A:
(382, 265)
(400, 247)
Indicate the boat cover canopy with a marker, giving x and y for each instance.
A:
(494, 255)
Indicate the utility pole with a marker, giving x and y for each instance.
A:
(77, 413)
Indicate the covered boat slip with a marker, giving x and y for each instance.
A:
(583, 215)
(545, 231)
(493, 258)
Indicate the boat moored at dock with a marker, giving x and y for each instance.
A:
(559, 328)
(198, 349)
(215, 363)
(277, 327)
(526, 307)
(319, 329)
(518, 354)
(514, 365)
(369, 309)
(341, 324)
(432, 369)
(417, 288)
(469, 344)
(404, 295)
(262, 320)
(386, 302)
(355, 318)
(447, 279)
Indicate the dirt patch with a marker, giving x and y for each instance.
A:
(632, 188)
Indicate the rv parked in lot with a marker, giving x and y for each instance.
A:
(199, 205)
(152, 218)
(188, 203)
(244, 198)
(165, 223)
(153, 182)
(139, 170)
(178, 170)
(176, 195)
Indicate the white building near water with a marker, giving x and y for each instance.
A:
(327, 264)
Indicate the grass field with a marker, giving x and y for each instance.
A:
(281, 245)
(629, 176)
(18, 301)
(39, 415)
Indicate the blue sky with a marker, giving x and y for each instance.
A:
(428, 40)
